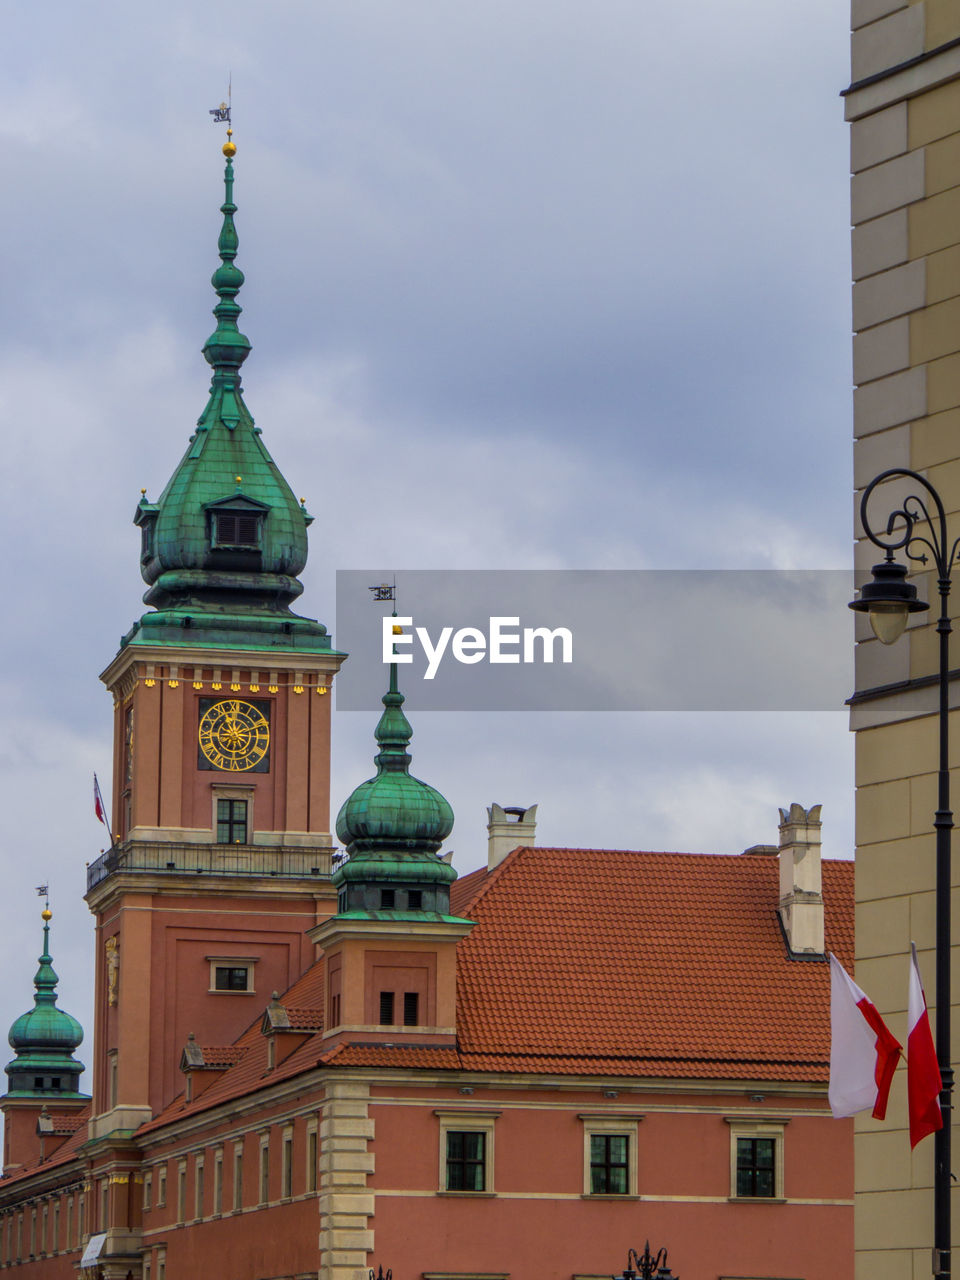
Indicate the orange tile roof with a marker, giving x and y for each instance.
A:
(67, 1123)
(250, 1072)
(669, 961)
(604, 962)
(304, 1019)
(218, 1056)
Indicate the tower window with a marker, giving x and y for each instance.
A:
(386, 1008)
(237, 529)
(411, 1008)
(231, 822)
(387, 899)
(415, 899)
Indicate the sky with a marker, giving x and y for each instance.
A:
(549, 285)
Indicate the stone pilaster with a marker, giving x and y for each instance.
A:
(346, 1205)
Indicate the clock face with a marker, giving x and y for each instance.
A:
(234, 735)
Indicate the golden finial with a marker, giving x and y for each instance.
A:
(143, 493)
(397, 631)
(239, 479)
(46, 914)
(229, 147)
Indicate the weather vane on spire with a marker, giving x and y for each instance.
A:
(221, 114)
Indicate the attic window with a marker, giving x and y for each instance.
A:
(415, 899)
(237, 529)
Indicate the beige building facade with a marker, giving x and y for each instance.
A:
(903, 106)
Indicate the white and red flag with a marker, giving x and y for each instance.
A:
(923, 1071)
(863, 1051)
(99, 808)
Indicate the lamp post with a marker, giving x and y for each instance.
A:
(649, 1266)
(889, 600)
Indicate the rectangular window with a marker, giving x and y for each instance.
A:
(182, 1191)
(33, 1233)
(162, 1187)
(414, 899)
(161, 1264)
(609, 1164)
(146, 1266)
(69, 1221)
(386, 1008)
(231, 822)
(104, 1204)
(43, 1230)
(287, 1165)
(218, 1183)
(387, 899)
(55, 1242)
(147, 1190)
(264, 1189)
(466, 1160)
(238, 1177)
(755, 1167)
(231, 978)
(198, 1187)
(411, 1002)
(610, 1154)
(756, 1157)
(81, 1219)
(312, 1157)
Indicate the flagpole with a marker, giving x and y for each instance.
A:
(98, 796)
(943, 822)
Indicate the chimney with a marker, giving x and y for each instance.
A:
(801, 899)
(507, 830)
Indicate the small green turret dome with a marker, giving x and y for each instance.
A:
(44, 1038)
(392, 826)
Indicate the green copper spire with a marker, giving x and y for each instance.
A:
(227, 348)
(392, 826)
(44, 1038)
(224, 544)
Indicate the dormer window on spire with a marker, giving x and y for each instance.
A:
(236, 523)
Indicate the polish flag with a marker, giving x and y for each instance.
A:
(98, 806)
(923, 1071)
(863, 1053)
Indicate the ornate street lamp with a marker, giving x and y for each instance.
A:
(649, 1267)
(889, 600)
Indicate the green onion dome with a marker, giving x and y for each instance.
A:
(44, 1038)
(394, 812)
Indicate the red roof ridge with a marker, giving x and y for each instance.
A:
(495, 875)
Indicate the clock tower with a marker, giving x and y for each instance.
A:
(222, 853)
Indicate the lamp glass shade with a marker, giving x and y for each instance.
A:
(889, 621)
